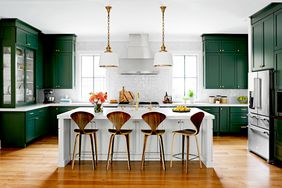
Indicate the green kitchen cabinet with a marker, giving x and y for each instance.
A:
(20, 128)
(228, 62)
(214, 111)
(278, 140)
(238, 119)
(19, 42)
(212, 70)
(39, 63)
(278, 72)
(54, 111)
(224, 119)
(60, 64)
(225, 61)
(241, 66)
(263, 43)
(278, 29)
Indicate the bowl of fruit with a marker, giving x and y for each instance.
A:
(181, 109)
(242, 99)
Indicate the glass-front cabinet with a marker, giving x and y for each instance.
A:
(17, 63)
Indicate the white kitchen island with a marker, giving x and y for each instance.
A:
(174, 121)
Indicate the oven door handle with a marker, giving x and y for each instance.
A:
(259, 130)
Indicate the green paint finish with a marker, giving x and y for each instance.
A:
(228, 46)
(257, 46)
(212, 70)
(241, 71)
(214, 111)
(268, 42)
(224, 120)
(242, 46)
(228, 61)
(278, 139)
(60, 61)
(278, 72)
(278, 29)
(39, 64)
(212, 46)
(239, 110)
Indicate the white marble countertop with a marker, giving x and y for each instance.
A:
(136, 114)
(87, 104)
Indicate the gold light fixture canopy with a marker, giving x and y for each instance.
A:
(163, 58)
(108, 58)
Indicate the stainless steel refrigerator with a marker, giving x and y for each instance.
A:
(261, 113)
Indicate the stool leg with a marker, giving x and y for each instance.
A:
(96, 151)
(73, 158)
(183, 146)
(162, 143)
(79, 149)
(109, 151)
(198, 151)
(171, 149)
(187, 153)
(128, 154)
(112, 151)
(92, 149)
(143, 153)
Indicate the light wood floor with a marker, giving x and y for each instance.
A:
(35, 166)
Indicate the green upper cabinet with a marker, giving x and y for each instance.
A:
(278, 72)
(60, 63)
(225, 61)
(19, 45)
(257, 33)
(278, 29)
(39, 64)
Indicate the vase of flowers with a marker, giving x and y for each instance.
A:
(97, 99)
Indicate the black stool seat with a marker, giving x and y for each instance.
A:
(156, 132)
(122, 131)
(85, 131)
(186, 131)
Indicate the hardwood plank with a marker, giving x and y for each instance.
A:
(36, 166)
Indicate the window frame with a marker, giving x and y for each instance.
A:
(185, 54)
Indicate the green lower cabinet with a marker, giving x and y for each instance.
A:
(238, 119)
(224, 119)
(54, 111)
(20, 128)
(214, 111)
(278, 140)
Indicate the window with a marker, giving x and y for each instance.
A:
(93, 78)
(184, 75)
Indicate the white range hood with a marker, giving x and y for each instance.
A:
(139, 59)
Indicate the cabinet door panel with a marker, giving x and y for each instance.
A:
(257, 46)
(64, 69)
(32, 40)
(228, 46)
(278, 73)
(228, 61)
(268, 39)
(242, 71)
(278, 30)
(21, 37)
(30, 129)
(224, 120)
(242, 46)
(212, 70)
(212, 46)
(64, 45)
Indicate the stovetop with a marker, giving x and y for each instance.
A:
(141, 103)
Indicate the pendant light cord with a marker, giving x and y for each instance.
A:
(163, 48)
(108, 48)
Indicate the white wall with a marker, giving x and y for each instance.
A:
(152, 87)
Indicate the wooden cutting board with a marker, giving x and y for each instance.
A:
(125, 96)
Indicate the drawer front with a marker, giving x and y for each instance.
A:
(31, 113)
(210, 109)
(238, 118)
(42, 111)
(239, 110)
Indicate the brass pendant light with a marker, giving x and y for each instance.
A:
(108, 58)
(163, 58)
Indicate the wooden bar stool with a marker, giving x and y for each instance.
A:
(153, 119)
(196, 119)
(118, 119)
(82, 119)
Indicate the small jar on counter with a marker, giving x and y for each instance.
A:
(224, 100)
(211, 99)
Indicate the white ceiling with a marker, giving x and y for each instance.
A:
(185, 19)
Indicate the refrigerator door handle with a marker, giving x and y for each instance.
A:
(259, 130)
(257, 85)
